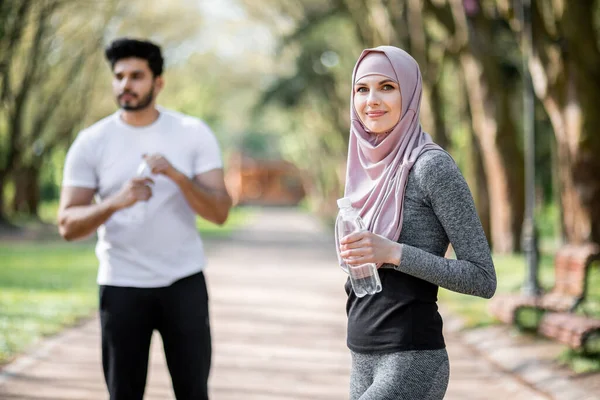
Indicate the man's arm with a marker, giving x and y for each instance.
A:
(206, 194)
(78, 217)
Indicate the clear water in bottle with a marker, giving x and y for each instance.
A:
(364, 278)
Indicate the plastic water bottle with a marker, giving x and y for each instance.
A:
(364, 278)
(136, 213)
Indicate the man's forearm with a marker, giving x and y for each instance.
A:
(210, 204)
(77, 222)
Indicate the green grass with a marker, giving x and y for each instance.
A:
(43, 287)
(47, 285)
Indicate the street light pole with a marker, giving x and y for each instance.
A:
(529, 235)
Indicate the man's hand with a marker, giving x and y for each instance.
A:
(136, 189)
(205, 193)
(365, 247)
(160, 165)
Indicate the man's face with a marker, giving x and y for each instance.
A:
(134, 85)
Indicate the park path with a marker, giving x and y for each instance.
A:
(278, 323)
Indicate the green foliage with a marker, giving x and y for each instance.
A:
(545, 157)
(308, 104)
(592, 304)
(579, 362)
(272, 79)
(548, 224)
(528, 318)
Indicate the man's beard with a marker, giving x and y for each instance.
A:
(142, 104)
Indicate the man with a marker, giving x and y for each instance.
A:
(150, 272)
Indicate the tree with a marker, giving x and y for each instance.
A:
(51, 63)
(483, 45)
(565, 74)
(44, 65)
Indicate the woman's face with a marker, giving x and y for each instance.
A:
(377, 102)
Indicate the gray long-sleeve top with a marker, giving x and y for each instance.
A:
(449, 215)
(438, 210)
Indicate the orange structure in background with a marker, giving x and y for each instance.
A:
(253, 181)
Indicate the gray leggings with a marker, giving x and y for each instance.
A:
(405, 375)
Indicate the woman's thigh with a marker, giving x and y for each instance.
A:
(419, 374)
(361, 373)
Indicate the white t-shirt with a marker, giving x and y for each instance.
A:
(165, 246)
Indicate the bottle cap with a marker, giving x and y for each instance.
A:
(344, 202)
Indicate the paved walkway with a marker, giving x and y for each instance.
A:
(278, 323)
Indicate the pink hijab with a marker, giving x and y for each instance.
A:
(379, 164)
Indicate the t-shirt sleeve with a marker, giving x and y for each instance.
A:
(79, 169)
(208, 156)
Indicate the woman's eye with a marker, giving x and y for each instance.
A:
(361, 89)
(388, 87)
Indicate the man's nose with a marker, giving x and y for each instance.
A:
(125, 84)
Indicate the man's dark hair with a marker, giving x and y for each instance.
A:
(125, 48)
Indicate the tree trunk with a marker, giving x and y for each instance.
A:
(419, 46)
(3, 216)
(566, 78)
(577, 171)
(437, 105)
(480, 193)
(27, 191)
(473, 38)
(503, 164)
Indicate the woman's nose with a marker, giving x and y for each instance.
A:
(373, 98)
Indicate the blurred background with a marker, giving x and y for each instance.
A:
(510, 90)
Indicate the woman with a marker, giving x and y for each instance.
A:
(415, 202)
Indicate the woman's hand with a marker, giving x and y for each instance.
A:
(365, 247)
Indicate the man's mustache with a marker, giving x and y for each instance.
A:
(129, 93)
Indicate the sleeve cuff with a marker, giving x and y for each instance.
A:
(83, 184)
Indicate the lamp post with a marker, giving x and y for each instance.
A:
(529, 235)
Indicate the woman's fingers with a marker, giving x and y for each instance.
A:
(357, 255)
(357, 260)
(353, 237)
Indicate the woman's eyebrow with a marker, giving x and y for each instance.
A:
(379, 83)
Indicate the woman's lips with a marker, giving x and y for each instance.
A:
(375, 114)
